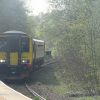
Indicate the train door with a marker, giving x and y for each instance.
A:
(13, 51)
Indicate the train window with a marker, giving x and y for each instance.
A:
(40, 45)
(3, 44)
(25, 44)
(13, 44)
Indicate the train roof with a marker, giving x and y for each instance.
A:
(13, 32)
(38, 40)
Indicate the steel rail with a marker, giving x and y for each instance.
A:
(33, 92)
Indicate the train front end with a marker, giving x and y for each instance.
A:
(15, 55)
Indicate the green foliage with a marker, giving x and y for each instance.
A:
(72, 30)
(13, 16)
(36, 98)
(87, 98)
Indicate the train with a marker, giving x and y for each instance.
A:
(19, 54)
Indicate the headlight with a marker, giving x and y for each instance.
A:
(2, 61)
(25, 61)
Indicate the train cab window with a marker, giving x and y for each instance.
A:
(13, 44)
(25, 44)
(3, 44)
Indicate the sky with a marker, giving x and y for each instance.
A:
(37, 6)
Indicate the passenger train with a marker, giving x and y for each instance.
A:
(19, 54)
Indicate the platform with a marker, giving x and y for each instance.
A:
(7, 93)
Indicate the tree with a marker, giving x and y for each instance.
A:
(72, 28)
(13, 16)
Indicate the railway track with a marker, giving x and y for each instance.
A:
(33, 92)
(26, 88)
(51, 61)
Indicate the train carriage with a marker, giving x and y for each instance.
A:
(39, 51)
(17, 55)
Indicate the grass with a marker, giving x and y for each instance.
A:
(63, 88)
(36, 98)
(88, 98)
(60, 89)
(58, 84)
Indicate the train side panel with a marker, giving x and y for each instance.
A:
(39, 50)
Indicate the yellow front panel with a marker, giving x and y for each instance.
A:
(31, 51)
(3, 56)
(28, 55)
(13, 58)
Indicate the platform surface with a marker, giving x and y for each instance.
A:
(7, 93)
